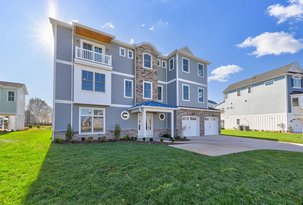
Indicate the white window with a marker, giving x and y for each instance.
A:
(93, 81)
(147, 90)
(163, 64)
(128, 88)
(92, 120)
(130, 54)
(200, 95)
(185, 92)
(171, 64)
(158, 62)
(296, 82)
(238, 92)
(160, 92)
(270, 82)
(200, 70)
(249, 89)
(147, 61)
(11, 96)
(295, 102)
(92, 51)
(122, 51)
(225, 96)
(185, 65)
(238, 121)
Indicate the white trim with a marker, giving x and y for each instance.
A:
(160, 117)
(159, 63)
(132, 88)
(296, 77)
(161, 93)
(54, 79)
(170, 69)
(151, 90)
(64, 62)
(189, 108)
(104, 120)
(162, 82)
(93, 44)
(184, 85)
(191, 82)
(165, 64)
(120, 49)
(269, 81)
(64, 101)
(177, 78)
(202, 95)
(128, 52)
(120, 105)
(183, 58)
(123, 74)
(151, 60)
(8, 96)
(202, 69)
(171, 81)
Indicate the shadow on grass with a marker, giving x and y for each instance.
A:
(258, 138)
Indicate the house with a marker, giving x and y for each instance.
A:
(12, 105)
(100, 82)
(211, 104)
(270, 101)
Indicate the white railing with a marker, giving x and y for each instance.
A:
(94, 57)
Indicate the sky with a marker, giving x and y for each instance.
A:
(239, 38)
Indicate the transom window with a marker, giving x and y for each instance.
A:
(200, 70)
(160, 92)
(295, 102)
(296, 82)
(122, 51)
(147, 90)
(11, 96)
(185, 65)
(171, 64)
(92, 120)
(185, 92)
(147, 61)
(128, 88)
(93, 83)
(200, 95)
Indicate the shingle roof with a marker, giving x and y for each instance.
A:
(261, 77)
(11, 84)
(153, 104)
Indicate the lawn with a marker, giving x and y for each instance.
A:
(277, 136)
(130, 173)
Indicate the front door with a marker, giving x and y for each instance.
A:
(148, 124)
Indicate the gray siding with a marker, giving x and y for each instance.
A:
(164, 93)
(162, 74)
(193, 96)
(158, 123)
(64, 44)
(171, 74)
(63, 82)
(171, 93)
(121, 64)
(113, 117)
(62, 116)
(290, 89)
(5, 105)
(118, 90)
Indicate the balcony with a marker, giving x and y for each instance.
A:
(92, 57)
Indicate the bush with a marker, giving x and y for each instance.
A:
(69, 132)
(172, 139)
(143, 139)
(89, 139)
(58, 140)
(161, 140)
(30, 126)
(166, 136)
(151, 139)
(126, 138)
(101, 139)
(38, 126)
(117, 132)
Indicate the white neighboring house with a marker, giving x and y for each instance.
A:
(270, 101)
(211, 104)
(12, 105)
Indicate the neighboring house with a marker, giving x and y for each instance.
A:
(100, 82)
(269, 101)
(211, 104)
(12, 105)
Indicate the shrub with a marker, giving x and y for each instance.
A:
(117, 131)
(101, 139)
(172, 139)
(151, 139)
(38, 126)
(30, 126)
(58, 140)
(89, 139)
(161, 140)
(126, 138)
(69, 132)
(166, 136)
(143, 139)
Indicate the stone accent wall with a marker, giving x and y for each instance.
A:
(198, 113)
(161, 131)
(143, 74)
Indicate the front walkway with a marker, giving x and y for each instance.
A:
(222, 145)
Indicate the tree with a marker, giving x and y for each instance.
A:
(38, 111)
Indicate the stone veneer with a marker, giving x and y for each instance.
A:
(159, 132)
(197, 113)
(143, 74)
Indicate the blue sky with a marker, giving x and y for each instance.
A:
(240, 38)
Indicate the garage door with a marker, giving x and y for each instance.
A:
(190, 126)
(211, 126)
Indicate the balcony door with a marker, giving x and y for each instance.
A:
(92, 51)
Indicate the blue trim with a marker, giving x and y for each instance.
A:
(151, 103)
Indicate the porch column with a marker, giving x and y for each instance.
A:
(172, 124)
(143, 123)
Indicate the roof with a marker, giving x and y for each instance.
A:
(211, 101)
(263, 77)
(151, 103)
(296, 92)
(13, 85)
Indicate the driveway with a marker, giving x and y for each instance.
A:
(222, 145)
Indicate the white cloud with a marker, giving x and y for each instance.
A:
(222, 73)
(108, 25)
(152, 28)
(132, 41)
(272, 44)
(162, 23)
(293, 11)
(74, 21)
(143, 25)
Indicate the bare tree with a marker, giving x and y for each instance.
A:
(38, 112)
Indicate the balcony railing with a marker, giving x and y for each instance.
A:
(93, 57)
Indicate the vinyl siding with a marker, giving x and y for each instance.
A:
(63, 82)
(118, 90)
(119, 63)
(162, 74)
(171, 74)
(64, 44)
(290, 89)
(62, 116)
(7, 107)
(193, 96)
(171, 93)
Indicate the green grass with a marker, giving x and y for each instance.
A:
(277, 136)
(128, 173)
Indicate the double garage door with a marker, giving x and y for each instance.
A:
(191, 126)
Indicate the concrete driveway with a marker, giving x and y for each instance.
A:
(222, 145)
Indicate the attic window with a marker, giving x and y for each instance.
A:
(296, 82)
(270, 82)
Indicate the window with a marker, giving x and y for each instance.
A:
(161, 116)
(185, 65)
(249, 89)
(159, 62)
(147, 60)
(200, 95)
(296, 82)
(99, 82)
(87, 46)
(122, 52)
(164, 64)
(200, 70)
(171, 64)
(238, 121)
(147, 90)
(238, 92)
(128, 88)
(270, 82)
(87, 80)
(11, 96)
(295, 102)
(130, 54)
(91, 120)
(160, 92)
(185, 92)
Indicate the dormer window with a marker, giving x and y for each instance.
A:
(147, 61)
(296, 82)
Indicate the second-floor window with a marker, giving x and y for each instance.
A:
(122, 52)
(130, 54)
(147, 90)
(163, 64)
(171, 64)
(185, 65)
(158, 62)
(296, 82)
(99, 82)
(238, 92)
(200, 95)
(160, 93)
(147, 60)
(249, 89)
(200, 69)
(11, 96)
(128, 88)
(93, 83)
(185, 92)
(295, 102)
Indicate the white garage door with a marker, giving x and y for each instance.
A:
(210, 126)
(190, 126)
